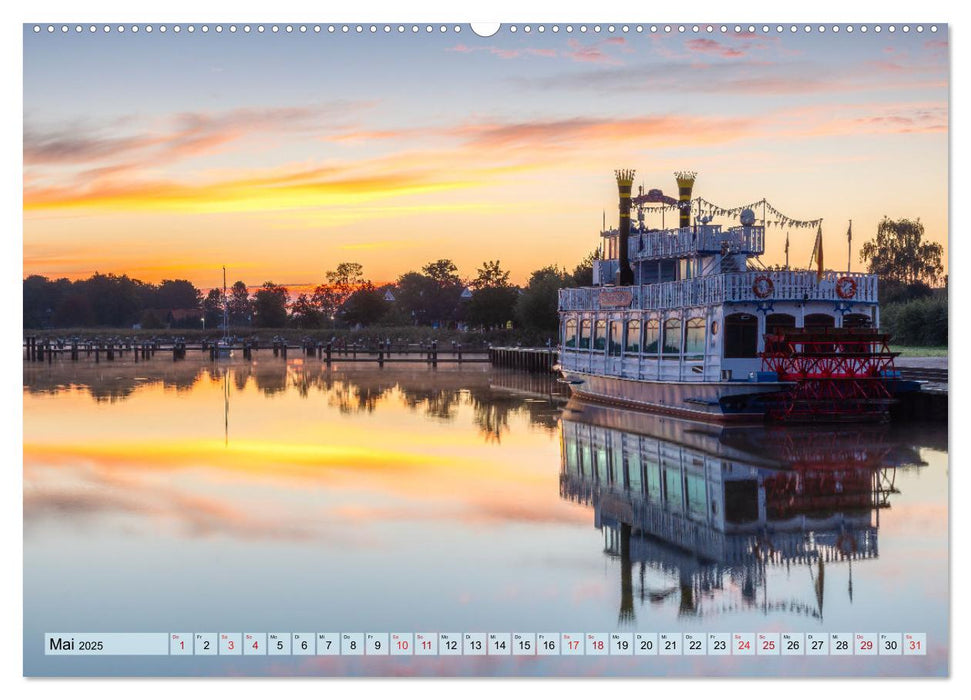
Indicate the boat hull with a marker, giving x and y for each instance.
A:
(712, 401)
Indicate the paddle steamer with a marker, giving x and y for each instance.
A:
(687, 321)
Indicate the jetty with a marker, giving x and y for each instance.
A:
(379, 352)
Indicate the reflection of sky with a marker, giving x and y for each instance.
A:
(138, 517)
(379, 148)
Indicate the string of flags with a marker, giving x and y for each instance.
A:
(703, 206)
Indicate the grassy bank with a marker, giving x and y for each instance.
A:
(920, 351)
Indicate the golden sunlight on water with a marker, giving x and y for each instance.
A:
(278, 495)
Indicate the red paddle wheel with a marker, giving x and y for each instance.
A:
(840, 374)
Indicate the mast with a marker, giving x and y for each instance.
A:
(225, 306)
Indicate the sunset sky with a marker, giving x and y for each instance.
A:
(280, 155)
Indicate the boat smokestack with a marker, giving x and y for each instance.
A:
(686, 181)
(625, 180)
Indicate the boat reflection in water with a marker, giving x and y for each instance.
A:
(704, 513)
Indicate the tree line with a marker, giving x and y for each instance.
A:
(914, 304)
(434, 296)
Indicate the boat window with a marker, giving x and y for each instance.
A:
(741, 501)
(694, 338)
(668, 270)
(616, 338)
(585, 333)
(634, 477)
(572, 463)
(602, 468)
(694, 487)
(819, 321)
(633, 336)
(652, 476)
(600, 337)
(651, 337)
(741, 336)
(777, 322)
(856, 321)
(673, 490)
(672, 337)
(570, 335)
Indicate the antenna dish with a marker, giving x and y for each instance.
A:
(747, 217)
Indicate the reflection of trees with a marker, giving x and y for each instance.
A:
(438, 395)
(348, 397)
(436, 403)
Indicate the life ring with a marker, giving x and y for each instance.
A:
(763, 287)
(846, 287)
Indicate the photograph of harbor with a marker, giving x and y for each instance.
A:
(607, 333)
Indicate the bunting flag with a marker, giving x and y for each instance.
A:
(818, 254)
(772, 215)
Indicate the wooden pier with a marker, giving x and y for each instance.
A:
(526, 359)
(430, 353)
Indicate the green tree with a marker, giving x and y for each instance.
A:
(413, 294)
(305, 313)
(212, 308)
(899, 253)
(340, 283)
(491, 305)
(178, 294)
(490, 275)
(443, 272)
(442, 301)
(538, 306)
(365, 306)
(240, 306)
(583, 272)
(270, 306)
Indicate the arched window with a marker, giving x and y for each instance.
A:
(600, 336)
(817, 322)
(778, 322)
(694, 338)
(633, 336)
(585, 334)
(741, 336)
(570, 333)
(616, 341)
(672, 337)
(652, 336)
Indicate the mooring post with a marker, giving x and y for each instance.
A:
(380, 354)
(328, 350)
(434, 353)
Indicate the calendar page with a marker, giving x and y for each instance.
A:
(547, 349)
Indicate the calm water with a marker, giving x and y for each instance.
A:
(273, 496)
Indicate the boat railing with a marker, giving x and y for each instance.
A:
(696, 240)
(751, 286)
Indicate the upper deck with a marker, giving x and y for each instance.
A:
(735, 287)
(689, 242)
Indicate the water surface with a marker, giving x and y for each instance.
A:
(279, 496)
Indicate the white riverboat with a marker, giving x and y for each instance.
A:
(686, 321)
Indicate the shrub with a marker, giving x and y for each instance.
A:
(917, 322)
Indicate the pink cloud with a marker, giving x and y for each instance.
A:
(710, 46)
